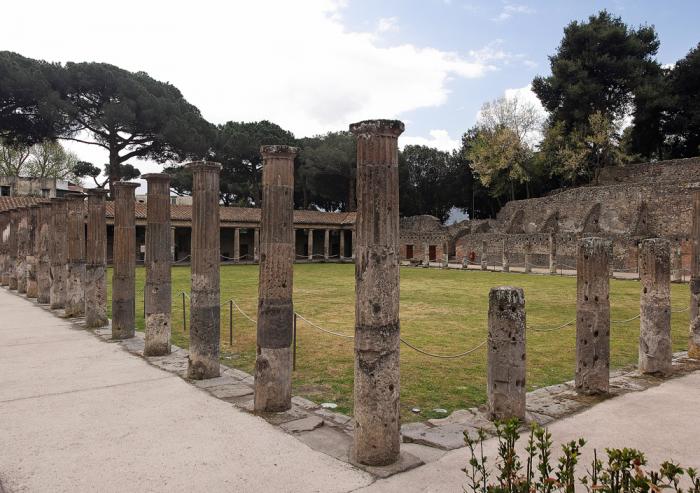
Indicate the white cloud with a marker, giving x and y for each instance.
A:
(388, 24)
(526, 96)
(294, 63)
(440, 139)
(511, 9)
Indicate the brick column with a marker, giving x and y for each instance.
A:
(205, 312)
(158, 297)
(43, 268)
(96, 260)
(506, 257)
(75, 289)
(377, 332)
(4, 246)
(506, 353)
(341, 255)
(124, 259)
(483, 259)
(593, 316)
(326, 244)
(256, 244)
(32, 250)
(655, 348)
(58, 251)
(273, 365)
(12, 250)
(694, 333)
(552, 254)
(22, 243)
(236, 244)
(310, 244)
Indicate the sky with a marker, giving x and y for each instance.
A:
(314, 66)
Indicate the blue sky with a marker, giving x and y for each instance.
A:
(315, 66)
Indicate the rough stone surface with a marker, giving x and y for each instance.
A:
(506, 353)
(376, 437)
(22, 248)
(158, 297)
(58, 252)
(273, 365)
(124, 273)
(593, 316)
(203, 361)
(43, 269)
(655, 348)
(32, 251)
(306, 424)
(75, 291)
(96, 261)
(552, 254)
(694, 332)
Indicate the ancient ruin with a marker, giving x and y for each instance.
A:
(32, 250)
(96, 260)
(58, 253)
(43, 239)
(694, 333)
(75, 290)
(124, 274)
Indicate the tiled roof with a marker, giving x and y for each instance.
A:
(183, 213)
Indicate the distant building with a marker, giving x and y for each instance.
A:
(174, 199)
(19, 186)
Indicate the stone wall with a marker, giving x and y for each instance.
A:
(672, 171)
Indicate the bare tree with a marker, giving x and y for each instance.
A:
(51, 160)
(13, 159)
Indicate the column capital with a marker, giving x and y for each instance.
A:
(278, 151)
(203, 166)
(367, 128)
(161, 177)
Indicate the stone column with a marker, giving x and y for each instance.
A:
(655, 348)
(694, 333)
(506, 257)
(75, 289)
(273, 365)
(426, 255)
(96, 260)
(44, 240)
(677, 270)
(124, 255)
(256, 244)
(484, 260)
(172, 243)
(552, 254)
(58, 251)
(341, 255)
(593, 316)
(377, 331)
(158, 297)
(310, 244)
(12, 250)
(352, 243)
(205, 316)
(528, 259)
(22, 241)
(326, 244)
(32, 250)
(236, 244)
(4, 252)
(506, 353)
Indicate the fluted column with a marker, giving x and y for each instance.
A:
(32, 250)
(310, 244)
(96, 260)
(75, 289)
(12, 250)
(694, 333)
(326, 244)
(376, 434)
(124, 255)
(341, 255)
(44, 240)
(236, 244)
(22, 244)
(256, 244)
(273, 365)
(59, 253)
(158, 297)
(205, 315)
(4, 245)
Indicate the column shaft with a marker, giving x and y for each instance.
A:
(377, 330)
(4, 247)
(484, 259)
(326, 244)
(694, 332)
(593, 316)
(205, 315)
(22, 243)
(32, 251)
(528, 259)
(506, 257)
(256, 244)
(124, 255)
(342, 244)
(552, 254)
(273, 365)
(43, 268)
(75, 290)
(59, 253)
(655, 348)
(12, 250)
(310, 244)
(96, 260)
(158, 297)
(236, 244)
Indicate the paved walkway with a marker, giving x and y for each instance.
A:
(78, 414)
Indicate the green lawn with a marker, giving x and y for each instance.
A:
(442, 311)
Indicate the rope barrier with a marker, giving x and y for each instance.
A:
(552, 329)
(624, 321)
(338, 334)
(441, 356)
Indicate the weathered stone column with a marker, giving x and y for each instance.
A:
(32, 250)
(273, 365)
(655, 348)
(22, 249)
(13, 243)
(124, 255)
(236, 244)
(58, 251)
(593, 316)
(75, 290)
(426, 255)
(506, 257)
(310, 244)
(172, 243)
(484, 260)
(96, 260)
(677, 270)
(326, 244)
(552, 254)
(528, 258)
(256, 244)
(158, 297)
(377, 331)
(352, 243)
(506, 353)
(694, 315)
(4, 247)
(342, 244)
(43, 268)
(203, 360)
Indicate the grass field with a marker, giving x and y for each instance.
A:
(442, 311)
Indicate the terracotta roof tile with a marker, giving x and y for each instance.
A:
(12, 202)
